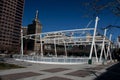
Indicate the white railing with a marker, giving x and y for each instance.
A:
(58, 60)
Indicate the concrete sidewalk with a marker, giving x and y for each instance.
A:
(52, 72)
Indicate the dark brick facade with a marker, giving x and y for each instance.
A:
(11, 12)
(34, 28)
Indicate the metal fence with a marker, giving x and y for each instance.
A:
(58, 60)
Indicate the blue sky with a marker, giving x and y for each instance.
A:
(66, 14)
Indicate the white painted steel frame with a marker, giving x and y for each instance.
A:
(74, 40)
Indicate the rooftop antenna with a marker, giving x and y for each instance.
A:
(36, 14)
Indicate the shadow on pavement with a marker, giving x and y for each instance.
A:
(112, 73)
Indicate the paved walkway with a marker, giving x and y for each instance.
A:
(52, 72)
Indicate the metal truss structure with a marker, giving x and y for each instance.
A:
(85, 36)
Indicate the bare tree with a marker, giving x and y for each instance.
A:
(95, 7)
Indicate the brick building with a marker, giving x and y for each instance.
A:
(35, 27)
(11, 12)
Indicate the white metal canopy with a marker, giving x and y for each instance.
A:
(83, 36)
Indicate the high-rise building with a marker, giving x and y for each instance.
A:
(11, 12)
(34, 28)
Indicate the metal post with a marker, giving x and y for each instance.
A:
(93, 41)
(105, 54)
(65, 48)
(108, 49)
(21, 42)
(41, 46)
(55, 47)
(96, 53)
(103, 44)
